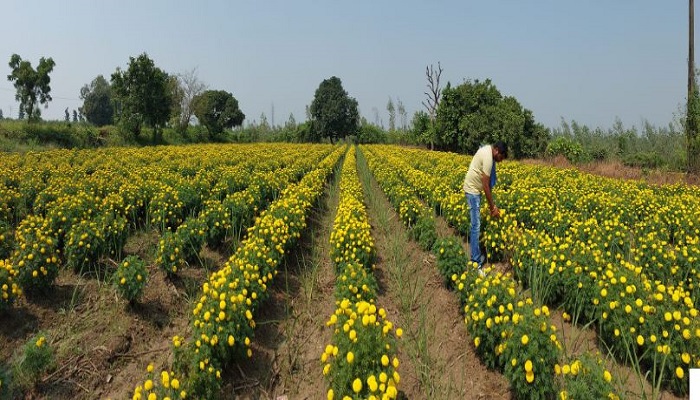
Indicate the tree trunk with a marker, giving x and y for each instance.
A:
(693, 106)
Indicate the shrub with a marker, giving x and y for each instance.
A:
(451, 258)
(131, 278)
(36, 359)
(564, 146)
(9, 290)
(644, 160)
(424, 232)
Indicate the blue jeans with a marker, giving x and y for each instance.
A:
(474, 201)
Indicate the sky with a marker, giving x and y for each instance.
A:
(591, 61)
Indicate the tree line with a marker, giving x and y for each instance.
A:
(457, 118)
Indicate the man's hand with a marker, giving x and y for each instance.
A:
(495, 212)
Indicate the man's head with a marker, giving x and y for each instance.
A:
(500, 151)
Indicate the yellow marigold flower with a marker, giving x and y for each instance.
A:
(529, 376)
(524, 340)
(350, 357)
(640, 340)
(357, 385)
(148, 385)
(385, 360)
(330, 394)
(149, 368)
(399, 332)
(528, 366)
(607, 376)
(680, 373)
(372, 383)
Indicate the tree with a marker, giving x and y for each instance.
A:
(1, 117)
(402, 113)
(475, 113)
(142, 95)
(334, 114)
(189, 87)
(216, 110)
(31, 85)
(392, 115)
(432, 101)
(97, 102)
(75, 115)
(67, 117)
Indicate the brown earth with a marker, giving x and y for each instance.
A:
(615, 169)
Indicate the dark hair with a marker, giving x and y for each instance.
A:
(502, 148)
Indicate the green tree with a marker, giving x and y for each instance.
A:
(97, 102)
(369, 133)
(143, 96)
(392, 115)
(216, 110)
(334, 114)
(475, 112)
(31, 85)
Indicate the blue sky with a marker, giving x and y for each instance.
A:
(590, 61)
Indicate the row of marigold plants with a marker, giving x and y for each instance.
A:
(596, 278)
(361, 361)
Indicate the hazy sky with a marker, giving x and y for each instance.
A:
(590, 61)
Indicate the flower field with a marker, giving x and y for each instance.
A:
(620, 258)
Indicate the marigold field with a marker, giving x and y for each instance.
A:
(159, 273)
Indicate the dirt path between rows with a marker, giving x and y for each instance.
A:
(291, 333)
(437, 354)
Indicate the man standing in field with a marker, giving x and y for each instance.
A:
(481, 177)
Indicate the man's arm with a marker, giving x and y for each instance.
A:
(486, 184)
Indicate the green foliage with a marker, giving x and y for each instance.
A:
(423, 231)
(31, 85)
(475, 112)
(644, 160)
(369, 133)
(422, 128)
(130, 278)
(143, 96)
(334, 114)
(35, 359)
(645, 147)
(563, 146)
(216, 110)
(97, 102)
(451, 258)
